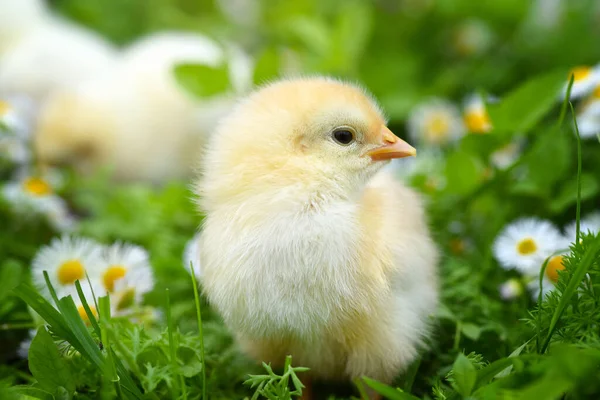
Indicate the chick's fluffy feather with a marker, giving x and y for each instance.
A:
(136, 120)
(307, 248)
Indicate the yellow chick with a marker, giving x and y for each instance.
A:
(309, 246)
(138, 120)
(41, 52)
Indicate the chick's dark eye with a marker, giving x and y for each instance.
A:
(343, 136)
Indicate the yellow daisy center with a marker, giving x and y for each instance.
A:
(596, 93)
(84, 315)
(112, 274)
(36, 187)
(4, 108)
(554, 265)
(478, 121)
(70, 271)
(437, 126)
(526, 246)
(580, 73)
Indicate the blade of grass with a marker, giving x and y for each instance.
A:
(45, 310)
(200, 332)
(585, 263)
(87, 277)
(539, 302)
(128, 383)
(87, 345)
(578, 215)
(388, 391)
(361, 388)
(410, 375)
(111, 370)
(51, 289)
(173, 354)
(87, 309)
(566, 101)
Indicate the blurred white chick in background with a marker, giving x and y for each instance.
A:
(309, 246)
(41, 52)
(138, 120)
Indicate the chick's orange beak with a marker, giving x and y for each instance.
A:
(393, 147)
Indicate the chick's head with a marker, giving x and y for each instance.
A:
(73, 130)
(303, 137)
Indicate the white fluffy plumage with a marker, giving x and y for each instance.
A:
(309, 247)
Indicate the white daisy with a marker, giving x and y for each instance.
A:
(35, 195)
(588, 119)
(126, 275)
(476, 117)
(191, 255)
(547, 13)
(436, 121)
(505, 156)
(472, 37)
(66, 259)
(585, 80)
(525, 243)
(590, 223)
(511, 289)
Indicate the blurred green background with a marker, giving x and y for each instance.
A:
(402, 50)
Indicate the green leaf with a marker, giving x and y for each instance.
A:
(550, 152)
(512, 356)
(525, 106)
(26, 392)
(465, 375)
(388, 391)
(463, 172)
(547, 388)
(488, 372)
(314, 34)
(61, 394)
(201, 80)
(47, 365)
(471, 331)
(568, 193)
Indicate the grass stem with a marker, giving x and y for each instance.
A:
(200, 332)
